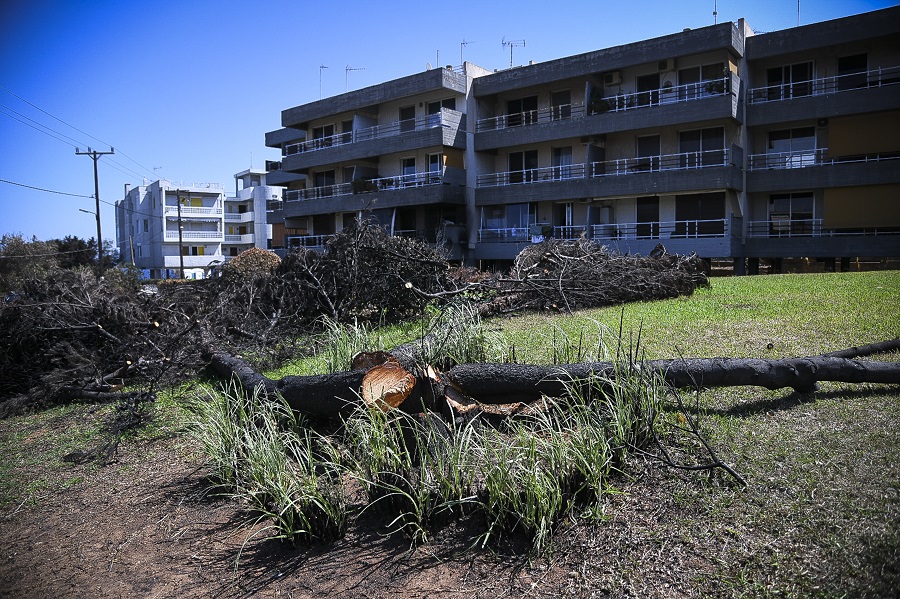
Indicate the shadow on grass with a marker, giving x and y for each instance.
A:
(789, 401)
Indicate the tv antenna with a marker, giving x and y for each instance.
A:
(322, 67)
(462, 45)
(715, 11)
(347, 70)
(512, 44)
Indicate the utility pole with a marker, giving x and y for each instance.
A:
(96, 156)
(180, 248)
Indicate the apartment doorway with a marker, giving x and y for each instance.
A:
(647, 226)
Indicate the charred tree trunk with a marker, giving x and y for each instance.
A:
(466, 385)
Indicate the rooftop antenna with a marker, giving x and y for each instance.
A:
(322, 67)
(798, 13)
(715, 11)
(462, 45)
(512, 44)
(347, 70)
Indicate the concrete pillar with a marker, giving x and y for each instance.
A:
(845, 264)
(740, 268)
(753, 266)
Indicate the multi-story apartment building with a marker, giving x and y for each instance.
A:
(187, 230)
(713, 140)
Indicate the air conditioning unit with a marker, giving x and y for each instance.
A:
(665, 65)
(612, 78)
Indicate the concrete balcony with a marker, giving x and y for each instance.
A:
(671, 173)
(194, 211)
(708, 238)
(871, 91)
(812, 169)
(385, 192)
(808, 238)
(191, 261)
(239, 217)
(247, 238)
(663, 107)
(446, 128)
(207, 236)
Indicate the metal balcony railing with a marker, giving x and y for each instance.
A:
(660, 97)
(194, 235)
(622, 102)
(825, 85)
(193, 211)
(365, 186)
(421, 123)
(817, 157)
(531, 117)
(675, 229)
(678, 229)
(622, 166)
(307, 241)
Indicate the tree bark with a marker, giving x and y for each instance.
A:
(338, 394)
(505, 383)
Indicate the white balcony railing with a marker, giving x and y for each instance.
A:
(365, 186)
(817, 157)
(421, 123)
(622, 166)
(622, 102)
(240, 239)
(675, 229)
(239, 217)
(193, 211)
(195, 235)
(825, 85)
(678, 229)
(307, 241)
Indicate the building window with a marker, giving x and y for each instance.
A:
(324, 183)
(322, 136)
(647, 217)
(791, 214)
(791, 148)
(702, 147)
(435, 107)
(522, 111)
(523, 166)
(561, 105)
(648, 153)
(407, 118)
(790, 81)
(851, 71)
(146, 225)
(700, 215)
(694, 82)
(562, 162)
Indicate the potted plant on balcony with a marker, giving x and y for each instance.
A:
(717, 86)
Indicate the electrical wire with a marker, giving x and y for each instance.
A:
(36, 107)
(64, 193)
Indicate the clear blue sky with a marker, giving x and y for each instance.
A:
(186, 90)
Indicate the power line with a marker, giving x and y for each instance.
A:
(64, 193)
(36, 107)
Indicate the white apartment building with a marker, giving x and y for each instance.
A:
(188, 230)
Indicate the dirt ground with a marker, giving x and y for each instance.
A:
(143, 526)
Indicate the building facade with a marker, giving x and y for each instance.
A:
(188, 230)
(714, 141)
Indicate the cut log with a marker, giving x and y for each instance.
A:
(387, 385)
(461, 390)
(505, 383)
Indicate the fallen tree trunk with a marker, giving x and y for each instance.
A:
(494, 384)
(505, 383)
